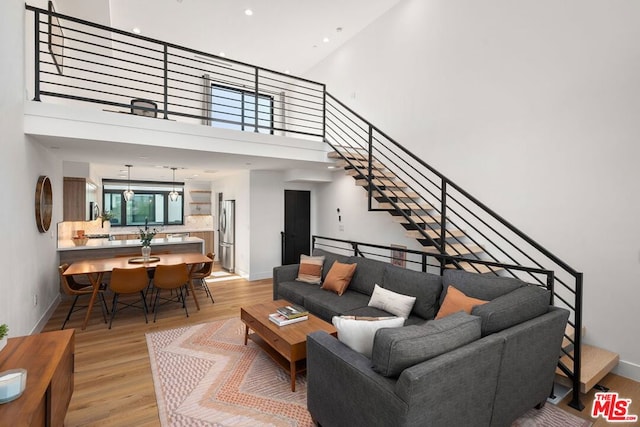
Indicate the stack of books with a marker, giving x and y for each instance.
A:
(288, 314)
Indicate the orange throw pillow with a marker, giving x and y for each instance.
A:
(455, 301)
(339, 277)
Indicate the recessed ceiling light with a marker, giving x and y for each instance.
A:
(136, 30)
(287, 72)
(331, 167)
(325, 40)
(222, 54)
(248, 12)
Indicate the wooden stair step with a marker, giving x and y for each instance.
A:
(341, 163)
(381, 182)
(423, 219)
(349, 154)
(375, 172)
(406, 205)
(456, 249)
(398, 193)
(434, 234)
(474, 268)
(596, 363)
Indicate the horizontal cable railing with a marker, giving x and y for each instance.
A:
(79, 61)
(82, 62)
(454, 227)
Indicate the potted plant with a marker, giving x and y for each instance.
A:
(106, 216)
(146, 235)
(4, 331)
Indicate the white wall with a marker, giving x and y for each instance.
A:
(29, 257)
(533, 107)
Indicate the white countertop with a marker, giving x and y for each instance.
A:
(68, 245)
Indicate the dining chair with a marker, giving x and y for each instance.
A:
(202, 273)
(76, 289)
(128, 281)
(170, 277)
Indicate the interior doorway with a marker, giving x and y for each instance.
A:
(297, 225)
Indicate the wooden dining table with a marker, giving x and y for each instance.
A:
(95, 269)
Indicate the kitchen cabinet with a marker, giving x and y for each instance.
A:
(49, 360)
(207, 236)
(76, 195)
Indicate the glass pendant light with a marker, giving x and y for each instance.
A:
(128, 194)
(173, 195)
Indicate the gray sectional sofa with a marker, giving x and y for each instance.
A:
(486, 368)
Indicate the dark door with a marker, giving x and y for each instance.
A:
(297, 226)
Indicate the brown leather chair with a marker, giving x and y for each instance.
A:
(128, 281)
(71, 287)
(202, 273)
(170, 277)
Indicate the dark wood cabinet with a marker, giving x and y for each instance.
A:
(49, 360)
(74, 199)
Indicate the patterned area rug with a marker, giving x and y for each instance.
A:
(205, 376)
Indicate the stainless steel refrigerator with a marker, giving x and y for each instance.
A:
(227, 227)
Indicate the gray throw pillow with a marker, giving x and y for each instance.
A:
(396, 349)
(510, 309)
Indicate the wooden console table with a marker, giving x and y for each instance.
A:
(49, 360)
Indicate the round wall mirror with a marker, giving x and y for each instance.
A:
(44, 203)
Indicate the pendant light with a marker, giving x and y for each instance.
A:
(128, 194)
(173, 195)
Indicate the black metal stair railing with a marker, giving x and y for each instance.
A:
(82, 62)
(458, 229)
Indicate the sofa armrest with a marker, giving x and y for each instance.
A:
(283, 273)
(343, 390)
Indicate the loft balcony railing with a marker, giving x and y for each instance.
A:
(77, 61)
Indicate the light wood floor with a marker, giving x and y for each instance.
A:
(113, 383)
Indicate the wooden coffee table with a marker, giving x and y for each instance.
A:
(287, 345)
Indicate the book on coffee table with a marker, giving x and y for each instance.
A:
(281, 320)
(293, 311)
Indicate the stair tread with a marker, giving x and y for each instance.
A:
(376, 173)
(595, 364)
(400, 194)
(351, 153)
(406, 205)
(456, 249)
(381, 182)
(423, 219)
(434, 234)
(341, 163)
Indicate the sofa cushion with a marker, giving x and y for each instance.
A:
(510, 309)
(310, 269)
(390, 301)
(426, 287)
(358, 334)
(339, 277)
(296, 292)
(394, 350)
(455, 301)
(329, 258)
(481, 286)
(326, 304)
(368, 273)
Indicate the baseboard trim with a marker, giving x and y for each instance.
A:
(628, 370)
(46, 316)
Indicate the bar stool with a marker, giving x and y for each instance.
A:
(170, 277)
(71, 287)
(202, 273)
(128, 281)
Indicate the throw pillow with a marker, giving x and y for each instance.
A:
(456, 301)
(338, 277)
(310, 270)
(394, 350)
(358, 334)
(391, 302)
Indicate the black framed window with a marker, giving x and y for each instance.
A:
(233, 108)
(150, 202)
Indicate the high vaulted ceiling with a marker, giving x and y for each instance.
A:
(282, 35)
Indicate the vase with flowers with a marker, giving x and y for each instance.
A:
(146, 235)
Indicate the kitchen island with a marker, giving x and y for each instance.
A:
(105, 248)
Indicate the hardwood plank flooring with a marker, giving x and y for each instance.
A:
(113, 383)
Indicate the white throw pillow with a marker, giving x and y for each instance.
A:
(391, 302)
(358, 334)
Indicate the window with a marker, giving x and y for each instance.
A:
(150, 202)
(236, 109)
